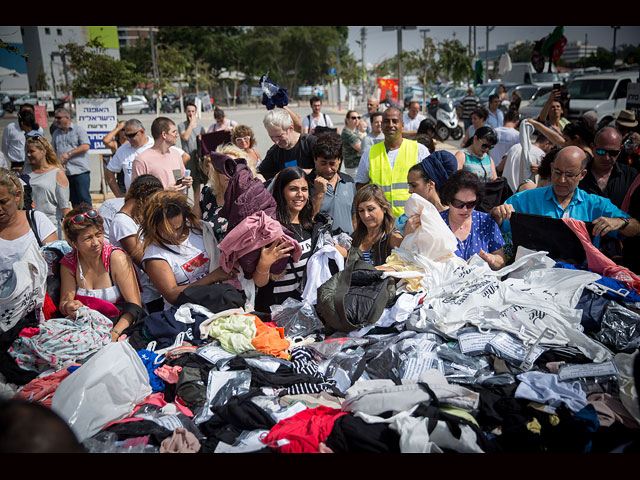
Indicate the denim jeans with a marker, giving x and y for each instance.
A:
(79, 188)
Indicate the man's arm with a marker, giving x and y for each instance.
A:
(79, 150)
(112, 181)
(604, 225)
(297, 123)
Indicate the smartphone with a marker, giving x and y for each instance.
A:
(556, 86)
(179, 181)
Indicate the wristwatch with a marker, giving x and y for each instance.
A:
(626, 223)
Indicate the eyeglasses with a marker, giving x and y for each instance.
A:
(611, 153)
(354, 118)
(486, 146)
(79, 218)
(568, 175)
(455, 203)
(131, 135)
(243, 139)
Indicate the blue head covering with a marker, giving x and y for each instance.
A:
(439, 165)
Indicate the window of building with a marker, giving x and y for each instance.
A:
(59, 32)
(47, 31)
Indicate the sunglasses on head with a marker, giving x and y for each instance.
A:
(458, 204)
(611, 153)
(79, 218)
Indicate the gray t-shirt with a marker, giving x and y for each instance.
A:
(192, 143)
(64, 142)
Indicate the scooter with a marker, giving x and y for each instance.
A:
(446, 118)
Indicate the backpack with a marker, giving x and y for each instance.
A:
(355, 297)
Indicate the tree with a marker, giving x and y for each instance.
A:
(97, 74)
(603, 58)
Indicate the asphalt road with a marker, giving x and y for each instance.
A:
(244, 115)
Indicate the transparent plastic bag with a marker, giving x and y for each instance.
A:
(222, 386)
(298, 319)
(107, 442)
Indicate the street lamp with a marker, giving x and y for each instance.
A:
(399, 29)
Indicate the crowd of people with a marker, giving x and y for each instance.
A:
(256, 221)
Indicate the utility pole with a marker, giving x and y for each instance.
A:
(155, 71)
(399, 30)
(615, 30)
(363, 37)
(469, 49)
(486, 56)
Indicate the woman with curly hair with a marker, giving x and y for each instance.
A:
(375, 234)
(243, 137)
(174, 252)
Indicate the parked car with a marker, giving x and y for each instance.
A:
(133, 104)
(606, 93)
(32, 99)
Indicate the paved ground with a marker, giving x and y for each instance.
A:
(246, 115)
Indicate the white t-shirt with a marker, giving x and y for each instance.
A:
(516, 170)
(107, 211)
(411, 125)
(188, 261)
(309, 123)
(122, 160)
(507, 138)
(362, 174)
(12, 250)
(124, 226)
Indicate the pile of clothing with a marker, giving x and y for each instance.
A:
(539, 356)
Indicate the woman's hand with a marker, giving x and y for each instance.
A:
(495, 261)
(413, 224)
(71, 307)
(219, 275)
(271, 254)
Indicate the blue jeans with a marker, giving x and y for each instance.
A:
(79, 188)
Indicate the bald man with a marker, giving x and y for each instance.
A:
(563, 198)
(605, 175)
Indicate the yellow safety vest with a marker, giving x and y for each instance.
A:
(393, 182)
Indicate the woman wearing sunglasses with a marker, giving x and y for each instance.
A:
(49, 184)
(16, 232)
(95, 269)
(477, 232)
(474, 155)
(242, 137)
(351, 142)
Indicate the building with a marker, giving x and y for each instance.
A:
(575, 51)
(129, 35)
(44, 67)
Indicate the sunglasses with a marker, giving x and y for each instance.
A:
(611, 153)
(242, 139)
(131, 135)
(354, 118)
(486, 146)
(79, 218)
(460, 205)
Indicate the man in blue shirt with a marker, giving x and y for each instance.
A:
(496, 116)
(563, 199)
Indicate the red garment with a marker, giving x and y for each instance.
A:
(41, 389)
(598, 262)
(626, 203)
(70, 260)
(304, 431)
(49, 309)
(29, 332)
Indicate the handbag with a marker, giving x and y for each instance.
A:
(355, 297)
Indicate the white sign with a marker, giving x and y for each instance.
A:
(45, 98)
(98, 116)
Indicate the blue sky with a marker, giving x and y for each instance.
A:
(380, 45)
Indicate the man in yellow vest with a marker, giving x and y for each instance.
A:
(387, 163)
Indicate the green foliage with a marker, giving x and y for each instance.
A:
(602, 58)
(96, 74)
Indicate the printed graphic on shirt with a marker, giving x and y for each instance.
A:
(192, 268)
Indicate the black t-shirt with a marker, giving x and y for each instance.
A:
(301, 155)
(622, 176)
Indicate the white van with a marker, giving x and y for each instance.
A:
(523, 72)
(606, 93)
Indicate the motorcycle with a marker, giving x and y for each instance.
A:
(446, 118)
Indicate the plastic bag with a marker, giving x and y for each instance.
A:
(105, 389)
(221, 387)
(298, 319)
(619, 329)
(23, 288)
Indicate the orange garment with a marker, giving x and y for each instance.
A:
(270, 340)
(41, 389)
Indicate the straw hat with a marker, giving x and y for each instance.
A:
(627, 118)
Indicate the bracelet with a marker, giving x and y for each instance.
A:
(62, 309)
(263, 273)
(116, 331)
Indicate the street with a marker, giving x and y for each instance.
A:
(244, 115)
